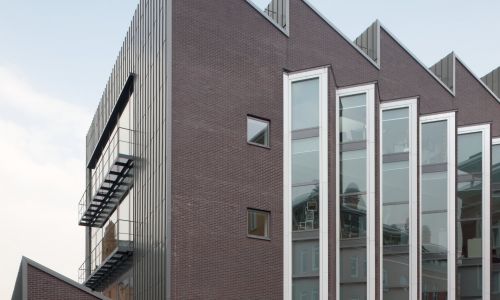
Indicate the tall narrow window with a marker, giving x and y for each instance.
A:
(398, 199)
(437, 194)
(473, 211)
(305, 194)
(355, 193)
(495, 219)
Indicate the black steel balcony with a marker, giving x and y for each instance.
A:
(110, 255)
(110, 181)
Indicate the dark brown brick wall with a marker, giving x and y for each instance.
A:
(43, 286)
(228, 62)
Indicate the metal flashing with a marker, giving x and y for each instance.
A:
(369, 42)
(492, 82)
(445, 70)
(416, 59)
(317, 12)
(284, 25)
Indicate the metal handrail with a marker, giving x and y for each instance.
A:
(120, 143)
(115, 235)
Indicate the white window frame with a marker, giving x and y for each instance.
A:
(288, 79)
(494, 142)
(411, 105)
(449, 117)
(369, 90)
(485, 131)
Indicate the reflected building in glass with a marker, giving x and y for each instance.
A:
(242, 151)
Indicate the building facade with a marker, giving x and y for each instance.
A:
(248, 153)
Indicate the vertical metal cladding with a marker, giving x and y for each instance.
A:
(445, 70)
(278, 11)
(144, 53)
(492, 80)
(369, 41)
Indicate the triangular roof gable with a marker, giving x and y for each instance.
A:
(21, 286)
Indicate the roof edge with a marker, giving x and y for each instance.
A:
(477, 78)
(285, 31)
(26, 261)
(439, 64)
(416, 59)
(372, 33)
(349, 41)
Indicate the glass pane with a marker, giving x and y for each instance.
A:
(435, 233)
(305, 160)
(305, 208)
(395, 131)
(258, 131)
(396, 274)
(495, 284)
(353, 118)
(353, 172)
(306, 258)
(305, 104)
(470, 153)
(352, 271)
(258, 223)
(396, 224)
(434, 143)
(469, 282)
(434, 191)
(434, 277)
(469, 200)
(469, 239)
(353, 216)
(396, 182)
(305, 289)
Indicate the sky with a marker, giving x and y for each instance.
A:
(55, 59)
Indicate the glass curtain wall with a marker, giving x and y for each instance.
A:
(435, 176)
(305, 98)
(395, 200)
(353, 196)
(495, 220)
(469, 216)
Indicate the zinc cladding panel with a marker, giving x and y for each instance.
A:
(368, 41)
(143, 54)
(443, 69)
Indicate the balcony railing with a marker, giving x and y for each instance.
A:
(110, 180)
(110, 254)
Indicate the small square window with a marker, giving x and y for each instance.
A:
(257, 131)
(258, 223)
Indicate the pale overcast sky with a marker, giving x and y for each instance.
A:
(55, 58)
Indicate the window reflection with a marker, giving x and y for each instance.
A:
(257, 131)
(305, 190)
(469, 215)
(305, 104)
(353, 221)
(305, 211)
(395, 202)
(434, 203)
(305, 160)
(434, 143)
(470, 155)
(353, 118)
